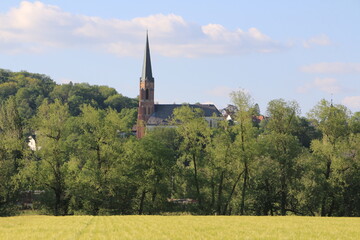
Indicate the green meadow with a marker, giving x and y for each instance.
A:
(178, 227)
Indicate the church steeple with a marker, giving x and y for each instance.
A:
(147, 72)
(146, 96)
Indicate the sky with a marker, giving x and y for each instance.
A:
(201, 51)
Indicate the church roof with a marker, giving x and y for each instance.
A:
(164, 112)
(146, 71)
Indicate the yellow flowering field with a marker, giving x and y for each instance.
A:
(177, 227)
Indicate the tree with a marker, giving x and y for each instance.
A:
(282, 116)
(226, 170)
(282, 151)
(355, 123)
(49, 169)
(12, 147)
(278, 144)
(255, 110)
(100, 97)
(97, 166)
(119, 102)
(306, 132)
(245, 139)
(153, 166)
(194, 135)
(332, 121)
(29, 88)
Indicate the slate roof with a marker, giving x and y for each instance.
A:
(163, 112)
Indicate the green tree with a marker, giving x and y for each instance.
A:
(120, 102)
(282, 151)
(7, 89)
(355, 123)
(49, 170)
(256, 110)
(194, 135)
(332, 121)
(153, 161)
(245, 139)
(12, 147)
(225, 168)
(349, 176)
(278, 144)
(306, 132)
(100, 97)
(97, 176)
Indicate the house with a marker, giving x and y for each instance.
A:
(152, 115)
(229, 112)
(32, 143)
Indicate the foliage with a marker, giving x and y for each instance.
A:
(12, 151)
(97, 177)
(96, 96)
(86, 160)
(194, 135)
(153, 165)
(30, 89)
(48, 170)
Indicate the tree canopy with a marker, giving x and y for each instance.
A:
(88, 161)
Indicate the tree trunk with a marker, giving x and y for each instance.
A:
(98, 155)
(212, 204)
(332, 205)
(327, 176)
(197, 182)
(231, 193)
(142, 199)
(283, 192)
(58, 187)
(57, 203)
(219, 201)
(243, 192)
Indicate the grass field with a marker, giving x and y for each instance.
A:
(177, 227)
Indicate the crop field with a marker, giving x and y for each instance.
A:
(177, 227)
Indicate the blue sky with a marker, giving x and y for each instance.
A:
(201, 50)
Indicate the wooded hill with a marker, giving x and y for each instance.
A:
(86, 163)
(30, 89)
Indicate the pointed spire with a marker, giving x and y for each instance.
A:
(147, 72)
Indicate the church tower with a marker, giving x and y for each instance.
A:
(146, 96)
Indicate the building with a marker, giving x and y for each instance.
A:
(152, 115)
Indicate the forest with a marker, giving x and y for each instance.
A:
(87, 161)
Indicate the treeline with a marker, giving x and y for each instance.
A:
(30, 90)
(87, 162)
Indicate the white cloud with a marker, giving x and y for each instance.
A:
(327, 85)
(320, 40)
(352, 102)
(221, 91)
(335, 67)
(36, 27)
(304, 89)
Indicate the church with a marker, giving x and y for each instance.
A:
(152, 115)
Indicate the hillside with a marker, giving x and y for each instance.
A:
(30, 89)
